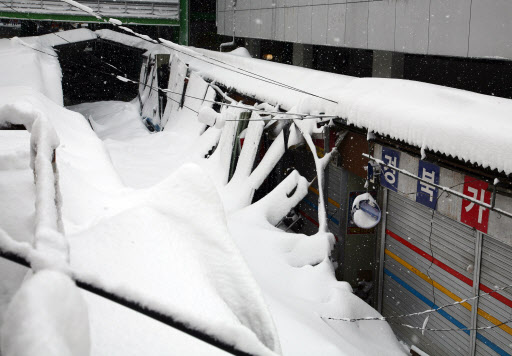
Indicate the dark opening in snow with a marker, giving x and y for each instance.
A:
(89, 71)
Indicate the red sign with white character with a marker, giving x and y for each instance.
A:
(472, 214)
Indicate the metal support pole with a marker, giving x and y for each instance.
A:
(380, 296)
(327, 147)
(184, 22)
(476, 291)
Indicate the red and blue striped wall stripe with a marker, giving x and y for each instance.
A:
(443, 313)
(448, 269)
(314, 206)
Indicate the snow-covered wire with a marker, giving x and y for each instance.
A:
(428, 311)
(299, 116)
(454, 329)
(35, 49)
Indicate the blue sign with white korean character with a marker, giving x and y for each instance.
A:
(389, 177)
(427, 194)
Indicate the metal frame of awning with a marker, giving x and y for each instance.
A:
(128, 11)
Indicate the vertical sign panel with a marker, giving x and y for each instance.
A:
(472, 214)
(389, 177)
(427, 194)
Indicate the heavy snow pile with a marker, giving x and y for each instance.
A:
(64, 37)
(468, 126)
(17, 215)
(240, 52)
(125, 39)
(294, 271)
(24, 65)
(156, 254)
(46, 321)
(148, 248)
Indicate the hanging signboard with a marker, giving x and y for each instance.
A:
(472, 214)
(427, 194)
(389, 177)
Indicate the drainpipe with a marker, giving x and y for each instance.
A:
(227, 44)
(232, 43)
(184, 22)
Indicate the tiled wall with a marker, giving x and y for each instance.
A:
(474, 28)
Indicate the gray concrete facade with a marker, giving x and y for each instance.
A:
(460, 28)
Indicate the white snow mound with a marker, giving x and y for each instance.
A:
(47, 317)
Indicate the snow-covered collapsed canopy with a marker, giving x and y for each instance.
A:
(171, 237)
(465, 125)
(194, 273)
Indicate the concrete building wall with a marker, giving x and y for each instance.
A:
(461, 28)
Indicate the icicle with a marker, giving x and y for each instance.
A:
(424, 325)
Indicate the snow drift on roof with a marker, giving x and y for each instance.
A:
(25, 64)
(125, 39)
(471, 127)
(64, 37)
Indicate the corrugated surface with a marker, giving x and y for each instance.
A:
(409, 243)
(335, 199)
(462, 28)
(113, 8)
(176, 85)
(496, 272)
(151, 107)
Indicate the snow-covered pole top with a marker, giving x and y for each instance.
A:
(49, 240)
